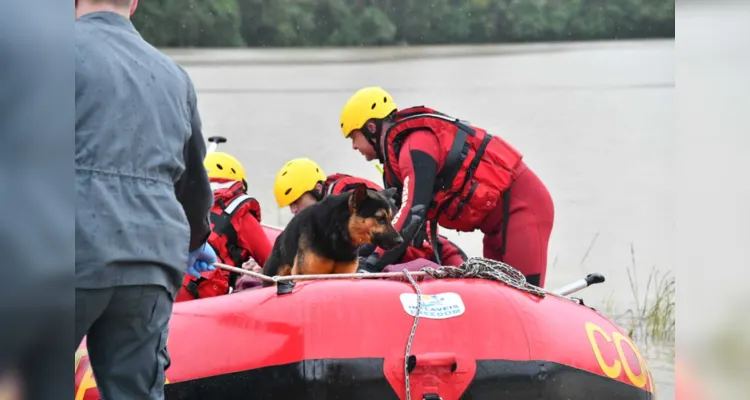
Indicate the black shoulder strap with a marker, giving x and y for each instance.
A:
(223, 226)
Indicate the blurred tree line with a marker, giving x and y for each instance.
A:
(228, 23)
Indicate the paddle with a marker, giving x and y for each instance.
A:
(214, 143)
(590, 279)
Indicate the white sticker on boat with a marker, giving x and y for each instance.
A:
(434, 306)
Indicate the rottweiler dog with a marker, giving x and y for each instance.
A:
(324, 238)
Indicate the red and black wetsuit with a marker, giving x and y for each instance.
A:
(468, 179)
(236, 235)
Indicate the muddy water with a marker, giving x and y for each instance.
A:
(595, 122)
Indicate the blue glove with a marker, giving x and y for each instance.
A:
(200, 260)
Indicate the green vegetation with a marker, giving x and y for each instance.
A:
(189, 23)
(280, 23)
(653, 319)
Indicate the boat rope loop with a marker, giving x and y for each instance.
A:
(407, 381)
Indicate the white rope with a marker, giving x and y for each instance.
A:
(346, 276)
(315, 276)
(242, 271)
(476, 267)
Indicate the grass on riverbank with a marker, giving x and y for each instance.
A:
(653, 318)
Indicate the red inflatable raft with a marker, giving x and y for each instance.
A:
(346, 339)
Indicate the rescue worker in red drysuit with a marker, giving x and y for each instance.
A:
(301, 183)
(236, 233)
(456, 174)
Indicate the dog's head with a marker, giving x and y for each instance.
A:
(370, 218)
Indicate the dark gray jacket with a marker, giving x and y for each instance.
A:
(143, 197)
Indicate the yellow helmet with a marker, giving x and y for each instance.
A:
(365, 104)
(222, 165)
(296, 178)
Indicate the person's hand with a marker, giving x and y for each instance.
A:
(421, 237)
(361, 268)
(369, 264)
(252, 265)
(200, 260)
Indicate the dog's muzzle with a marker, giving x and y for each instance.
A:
(387, 241)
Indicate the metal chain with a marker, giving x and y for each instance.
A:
(413, 332)
(478, 267)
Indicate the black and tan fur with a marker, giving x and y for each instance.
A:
(323, 238)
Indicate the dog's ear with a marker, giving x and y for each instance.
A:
(357, 197)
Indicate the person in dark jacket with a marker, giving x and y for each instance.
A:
(143, 198)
